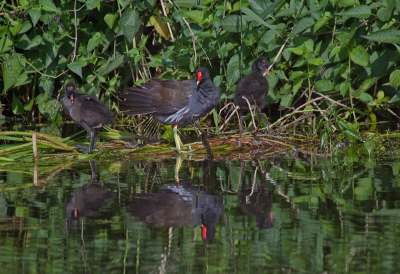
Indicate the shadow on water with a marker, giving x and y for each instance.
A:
(293, 212)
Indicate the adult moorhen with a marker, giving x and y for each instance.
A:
(87, 111)
(254, 87)
(173, 102)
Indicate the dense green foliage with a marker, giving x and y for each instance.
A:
(344, 49)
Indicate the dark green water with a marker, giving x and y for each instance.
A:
(286, 214)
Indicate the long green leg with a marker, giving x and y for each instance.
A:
(178, 142)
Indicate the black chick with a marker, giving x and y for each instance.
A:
(254, 87)
(87, 111)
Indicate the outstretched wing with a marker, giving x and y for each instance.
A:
(159, 96)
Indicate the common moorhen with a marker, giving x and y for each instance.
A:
(173, 102)
(87, 111)
(254, 87)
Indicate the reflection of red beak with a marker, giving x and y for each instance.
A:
(76, 213)
(267, 71)
(204, 232)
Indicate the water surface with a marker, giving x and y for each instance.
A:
(291, 213)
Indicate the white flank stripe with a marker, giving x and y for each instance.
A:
(178, 115)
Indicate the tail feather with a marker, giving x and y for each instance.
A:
(137, 101)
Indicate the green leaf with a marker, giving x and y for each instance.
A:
(302, 25)
(29, 106)
(353, 134)
(34, 13)
(117, 62)
(269, 8)
(96, 39)
(297, 85)
(185, 3)
(22, 79)
(361, 12)
(76, 68)
(317, 61)
(11, 71)
(24, 3)
(344, 88)
(391, 35)
(46, 108)
(131, 29)
(233, 72)
(320, 23)
(295, 75)
(6, 44)
(395, 98)
(168, 134)
(385, 13)
(15, 26)
(46, 85)
(3, 30)
(109, 19)
(324, 136)
(215, 116)
(17, 106)
(161, 26)
(344, 125)
(124, 3)
(335, 51)
(256, 18)
(297, 51)
(234, 23)
(129, 24)
(395, 79)
(92, 4)
(324, 85)
(47, 5)
(343, 3)
(286, 100)
(365, 98)
(36, 41)
(41, 98)
(48, 36)
(195, 15)
(258, 5)
(286, 12)
(360, 56)
(26, 25)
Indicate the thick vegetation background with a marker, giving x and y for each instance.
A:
(337, 62)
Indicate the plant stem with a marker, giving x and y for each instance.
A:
(351, 96)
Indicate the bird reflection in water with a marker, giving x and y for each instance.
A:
(254, 198)
(180, 204)
(90, 199)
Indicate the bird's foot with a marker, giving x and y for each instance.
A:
(132, 146)
(85, 149)
(180, 151)
(82, 149)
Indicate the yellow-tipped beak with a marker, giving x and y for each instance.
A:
(198, 82)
